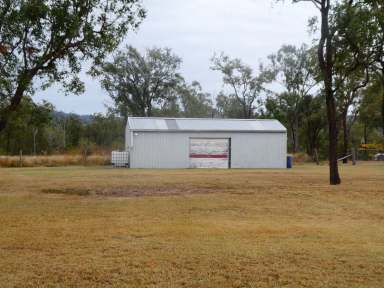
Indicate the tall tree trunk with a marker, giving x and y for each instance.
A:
(8, 141)
(65, 134)
(149, 111)
(326, 66)
(316, 156)
(293, 138)
(345, 137)
(3, 123)
(245, 113)
(249, 112)
(35, 131)
(334, 176)
(296, 135)
(23, 83)
(382, 111)
(365, 133)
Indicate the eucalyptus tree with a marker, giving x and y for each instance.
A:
(40, 117)
(227, 106)
(138, 82)
(107, 131)
(295, 70)
(330, 54)
(194, 101)
(246, 88)
(42, 42)
(348, 102)
(326, 58)
(287, 108)
(313, 124)
(356, 49)
(26, 129)
(377, 11)
(326, 64)
(370, 109)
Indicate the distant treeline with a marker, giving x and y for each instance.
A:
(39, 129)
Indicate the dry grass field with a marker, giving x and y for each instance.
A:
(104, 227)
(53, 160)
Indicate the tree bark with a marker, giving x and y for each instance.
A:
(8, 142)
(245, 113)
(15, 102)
(345, 138)
(316, 156)
(292, 138)
(334, 177)
(382, 111)
(326, 66)
(23, 83)
(35, 131)
(365, 134)
(296, 135)
(149, 110)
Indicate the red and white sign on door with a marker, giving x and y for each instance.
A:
(209, 153)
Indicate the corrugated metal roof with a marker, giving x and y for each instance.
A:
(204, 124)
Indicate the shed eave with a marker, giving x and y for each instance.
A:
(209, 131)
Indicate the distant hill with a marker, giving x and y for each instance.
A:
(83, 118)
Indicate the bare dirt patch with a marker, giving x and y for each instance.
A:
(130, 191)
(67, 191)
(151, 191)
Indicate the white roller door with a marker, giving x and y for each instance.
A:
(209, 153)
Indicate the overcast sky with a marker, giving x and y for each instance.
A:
(195, 30)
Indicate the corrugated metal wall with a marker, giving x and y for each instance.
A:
(171, 149)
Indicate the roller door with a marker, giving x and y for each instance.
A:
(209, 153)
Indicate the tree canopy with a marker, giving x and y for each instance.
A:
(244, 85)
(42, 42)
(137, 82)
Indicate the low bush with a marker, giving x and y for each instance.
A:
(54, 160)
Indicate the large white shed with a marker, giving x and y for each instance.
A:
(205, 143)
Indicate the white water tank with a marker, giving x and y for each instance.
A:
(120, 158)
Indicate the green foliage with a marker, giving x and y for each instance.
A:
(49, 41)
(370, 109)
(194, 102)
(150, 85)
(38, 129)
(138, 83)
(246, 88)
(295, 69)
(107, 131)
(29, 123)
(228, 106)
(313, 125)
(86, 147)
